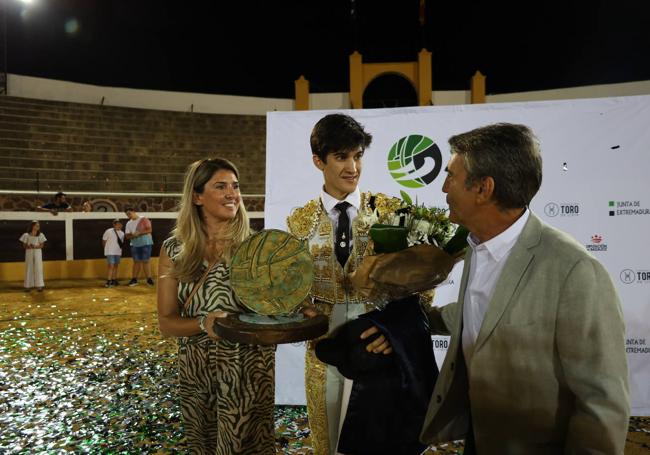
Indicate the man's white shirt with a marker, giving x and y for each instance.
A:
(487, 262)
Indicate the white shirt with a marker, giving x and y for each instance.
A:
(329, 202)
(487, 262)
(131, 226)
(111, 248)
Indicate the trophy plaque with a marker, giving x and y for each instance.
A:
(271, 274)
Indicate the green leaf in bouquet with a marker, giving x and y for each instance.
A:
(388, 238)
(405, 197)
(458, 242)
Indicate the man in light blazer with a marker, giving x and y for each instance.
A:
(536, 363)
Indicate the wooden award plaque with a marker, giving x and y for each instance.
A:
(232, 328)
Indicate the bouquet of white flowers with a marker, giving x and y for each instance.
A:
(413, 249)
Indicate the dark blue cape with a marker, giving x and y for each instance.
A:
(390, 393)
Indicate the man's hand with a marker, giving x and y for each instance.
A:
(378, 346)
(209, 323)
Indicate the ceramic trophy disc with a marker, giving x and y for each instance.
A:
(272, 272)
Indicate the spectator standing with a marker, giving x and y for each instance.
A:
(138, 232)
(33, 241)
(113, 241)
(59, 204)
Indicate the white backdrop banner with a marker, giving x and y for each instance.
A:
(596, 156)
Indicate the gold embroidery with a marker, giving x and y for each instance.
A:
(315, 386)
(329, 277)
(386, 204)
(325, 308)
(303, 220)
(325, 228)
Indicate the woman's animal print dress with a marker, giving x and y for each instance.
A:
(226, 389)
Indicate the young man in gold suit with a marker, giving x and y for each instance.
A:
(337, 239)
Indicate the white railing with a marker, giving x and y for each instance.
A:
(69, 217)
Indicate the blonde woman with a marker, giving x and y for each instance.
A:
(33, 241)
(226, 389)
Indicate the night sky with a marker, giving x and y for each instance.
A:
(204, 46)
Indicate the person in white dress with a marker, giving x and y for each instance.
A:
(33, 241)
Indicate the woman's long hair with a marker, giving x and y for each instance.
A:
(190, 230)
(31, 226)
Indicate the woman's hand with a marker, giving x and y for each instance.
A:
(309, 311)
(209, 323)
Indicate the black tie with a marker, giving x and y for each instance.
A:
(342, 246)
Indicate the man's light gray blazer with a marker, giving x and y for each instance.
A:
(549, 372)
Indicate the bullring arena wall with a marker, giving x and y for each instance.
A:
(112, 157)
(119, 147)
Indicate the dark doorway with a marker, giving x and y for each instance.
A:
(389, 90)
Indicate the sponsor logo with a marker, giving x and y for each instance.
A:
(440, 344)
(414, 161)
(553, 209)
(629, 276)
(596, 243)
(627, 208)
(636, 346)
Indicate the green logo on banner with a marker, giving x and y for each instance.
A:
(414, 161)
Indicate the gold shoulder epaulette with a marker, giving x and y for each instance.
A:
(303, 220)
(386, 204)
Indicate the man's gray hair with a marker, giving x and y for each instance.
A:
(508, 153)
